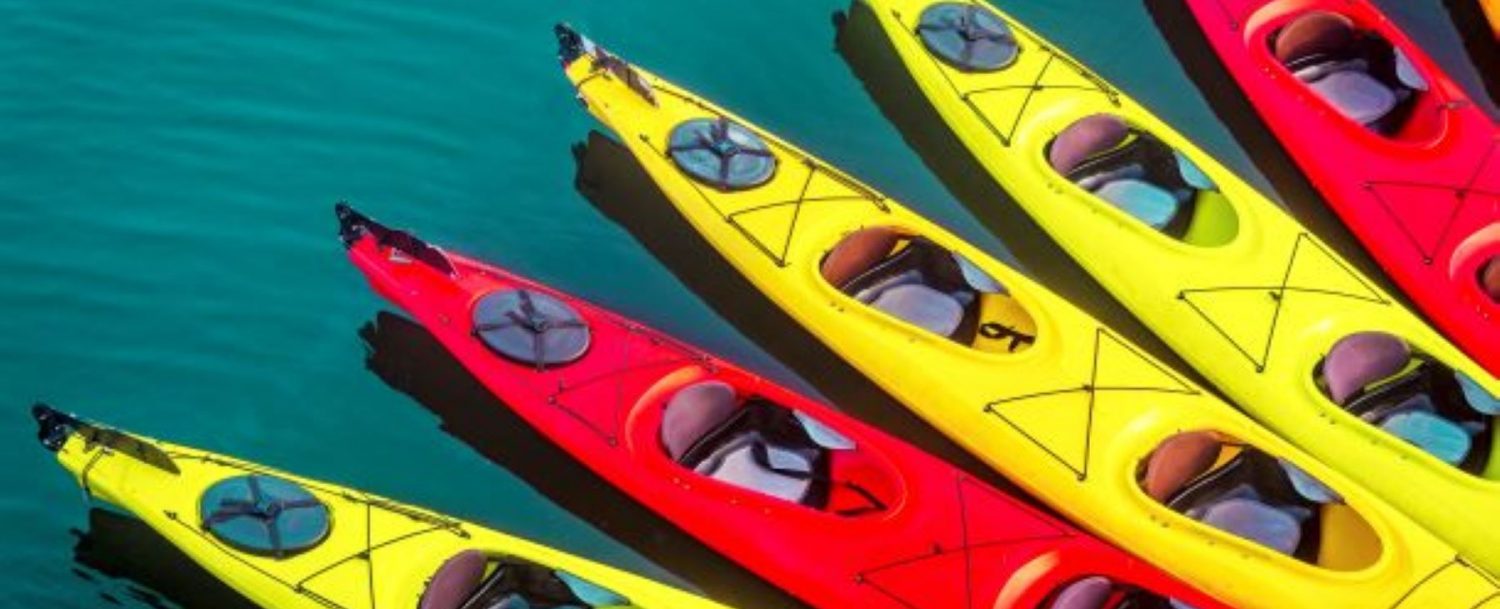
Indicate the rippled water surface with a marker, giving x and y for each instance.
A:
(167, 170)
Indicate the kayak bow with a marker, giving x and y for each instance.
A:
(1019, 377)
(287, 542)
(830, 509)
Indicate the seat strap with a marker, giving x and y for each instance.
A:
(761, 453)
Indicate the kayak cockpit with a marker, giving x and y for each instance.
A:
(921, 283)
(754, 444)
(474, 580)
(1246, 492)
(1099, 592)
(1145, 178)
(1381, 379)
(1361, 75)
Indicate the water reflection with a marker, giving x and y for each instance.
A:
(151, 570)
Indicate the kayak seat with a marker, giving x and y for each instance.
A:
(1365, 78)
(751, 444)
(910, 278)
(1099, 592)
(749, 461)
(693, 413)
(1379, 378)
(1145, 178)
(1239, 490)
(462, 583)
(697, 415)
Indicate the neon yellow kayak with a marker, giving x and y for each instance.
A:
(1249, 297)
(1032, 385)
(286, 542)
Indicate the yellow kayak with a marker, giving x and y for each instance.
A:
(286, 542)
(1266, 311)
(1023, 379)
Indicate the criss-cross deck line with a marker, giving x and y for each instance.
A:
(1034, 88)
(777, 252)
(434, 522)
(1456, 562)
(1090, 388)
(965, 544)
(629, 361)
(1277, 294)
(1463, 196)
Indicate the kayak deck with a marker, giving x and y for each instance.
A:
(913, 532)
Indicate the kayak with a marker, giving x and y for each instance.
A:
(828, 508)
(287, 542)
(1037, 389)
(1406, 159)
(1261, 307)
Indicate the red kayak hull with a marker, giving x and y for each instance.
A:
(1422, 201)
(946, 540)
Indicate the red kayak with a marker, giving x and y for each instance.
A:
(1408, 161)
(834, 511)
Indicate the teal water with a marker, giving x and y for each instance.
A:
(167, 170)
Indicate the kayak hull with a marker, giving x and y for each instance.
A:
(947, 539)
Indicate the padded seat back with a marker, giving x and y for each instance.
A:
(693, 412)
(455, 581)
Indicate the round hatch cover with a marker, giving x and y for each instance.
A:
(721, 153)
(530, 327)
(968, 37)
(264, 515)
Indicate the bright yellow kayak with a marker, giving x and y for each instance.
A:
(286, 542)
(1035, 387)
(1249, 297)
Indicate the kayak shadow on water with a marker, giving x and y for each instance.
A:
(616, 184)
(868, 53)
(157, 574)
(409, 359)
(1233, 108)
(1479, 40)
